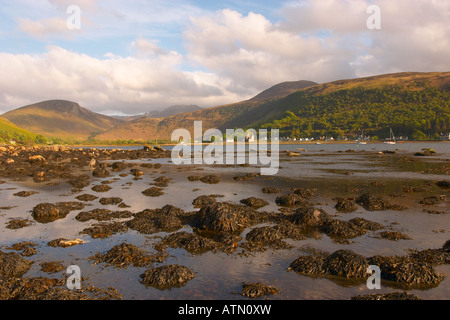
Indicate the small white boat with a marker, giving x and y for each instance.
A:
(391, 138)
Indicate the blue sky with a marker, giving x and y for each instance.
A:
(134, 56)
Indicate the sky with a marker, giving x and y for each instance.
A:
(124, 57)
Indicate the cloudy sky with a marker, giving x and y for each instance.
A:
(133, 56)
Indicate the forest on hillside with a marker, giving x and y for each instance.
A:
(418, 114)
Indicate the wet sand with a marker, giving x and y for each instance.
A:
(400, 179)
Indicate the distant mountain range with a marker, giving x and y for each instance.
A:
(167, 112)
(410, 102)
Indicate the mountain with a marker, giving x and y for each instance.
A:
(62, 119)
(172, 110)
(216, 117)
(9, 131)
(413, 104)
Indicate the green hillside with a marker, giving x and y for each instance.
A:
(416, 105)
(9, 131)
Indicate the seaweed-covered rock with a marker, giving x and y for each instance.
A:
(80, 181)
(13, 265)
(18, 223)
(126, 254)
(100, 172)
(341, 263)
(43, 288)
(258, 289)
(433, 200)
(225, 217)
(102, 215)
(373, 202)
(169, 210)
(387, 296)
(347, 264)
(309, 216)
(270, 190)
(167, 276)
(443, 184)
(345, 205)
(204, 200)
(48, 212)
(306, 193)
(153, 192)
(254, 202)
(408, 271)
(154, 222)
(86, 197)
(434, 256)
(191, 242)
(211, 179)
(25, 193)
(101, 188)
(104, 229)
(261, 237)
(292, 200)
(119, 166)
(339, 229)
(110, 201)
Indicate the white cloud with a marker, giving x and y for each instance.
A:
(129, 84)
(230, 56)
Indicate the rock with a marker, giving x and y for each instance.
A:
(101, 188)
(36, 159)
(110, 201)
(291, 200)
(224, 217)
(408, 271)
(86, 197)
(167, 276)
(25, 193)
(211, 179)
(373, 202)
(153, 192)
(433, 200)
(47, 212)
(309, 217)
(100, 172)
(387, 296)
(305, 192)
(345, 205)
(80, 181)
(204, 200)
(194, 178)
(258, 289)
(443, 184)
(119, 166)
(13, 265)
(125, 254)
(270, 190)
(191, 242)
(148, 223)
(255, 203)
(136, 172)
(104, 230)
(18, 224)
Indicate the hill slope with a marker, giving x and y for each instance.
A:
(9, 131)
(60, 118)
(413, 104)
(216, 117)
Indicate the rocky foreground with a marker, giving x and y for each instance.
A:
(218, 227)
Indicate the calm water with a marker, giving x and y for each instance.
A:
(333, 171)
